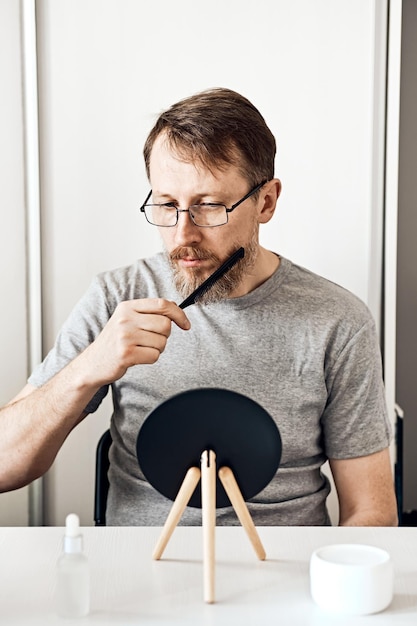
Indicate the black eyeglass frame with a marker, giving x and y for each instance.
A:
(228, 210)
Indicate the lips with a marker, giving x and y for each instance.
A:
(190, 261)
(189, 257)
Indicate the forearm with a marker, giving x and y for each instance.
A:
(371, 518)
(365, 490)
(34, 428)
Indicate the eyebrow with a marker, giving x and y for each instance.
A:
(200, 195)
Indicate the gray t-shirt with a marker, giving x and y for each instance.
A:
(302, 347)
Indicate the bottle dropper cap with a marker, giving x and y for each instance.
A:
(73, 541)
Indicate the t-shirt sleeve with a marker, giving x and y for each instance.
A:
(355, 421)
(83, 325)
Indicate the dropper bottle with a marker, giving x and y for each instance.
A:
(72, 597)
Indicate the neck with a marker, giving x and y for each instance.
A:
(265, 265)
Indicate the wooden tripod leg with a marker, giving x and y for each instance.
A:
(208, 502)
(183, 497)
(232, 489)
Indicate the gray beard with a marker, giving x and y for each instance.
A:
(187, 281)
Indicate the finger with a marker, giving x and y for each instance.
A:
(149, 339)
(164, 307)
(159, 324)
(140, 347)
(145, 356)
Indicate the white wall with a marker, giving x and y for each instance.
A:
(106, 70)
(13, 335)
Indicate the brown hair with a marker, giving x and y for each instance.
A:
(218, 127)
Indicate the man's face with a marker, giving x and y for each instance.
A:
(195, 252)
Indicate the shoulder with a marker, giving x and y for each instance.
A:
(325, 314)
(321, 297)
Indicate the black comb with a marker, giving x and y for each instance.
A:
(213, 278)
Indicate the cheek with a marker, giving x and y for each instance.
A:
(244, 230)
(243, 221)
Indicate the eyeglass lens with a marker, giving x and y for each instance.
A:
(202, 215)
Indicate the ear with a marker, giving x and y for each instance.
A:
(268, 200)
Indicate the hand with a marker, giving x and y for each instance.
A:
(136, 333)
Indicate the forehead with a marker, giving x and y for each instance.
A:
(168, 162)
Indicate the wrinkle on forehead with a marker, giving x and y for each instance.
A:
(198, 157)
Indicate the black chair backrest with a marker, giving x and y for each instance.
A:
(101, 478)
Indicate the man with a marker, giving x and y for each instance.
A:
(302, 347)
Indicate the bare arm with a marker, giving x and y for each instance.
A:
(35, 424)
(365, 490)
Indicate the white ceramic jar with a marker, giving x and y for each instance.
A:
(352, 579)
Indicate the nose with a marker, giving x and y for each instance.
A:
(186, 232)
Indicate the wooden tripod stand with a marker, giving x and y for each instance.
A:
(208, 474)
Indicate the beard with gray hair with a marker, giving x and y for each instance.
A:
(187, 280)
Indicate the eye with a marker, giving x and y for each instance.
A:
(168, 205)
(210, 205)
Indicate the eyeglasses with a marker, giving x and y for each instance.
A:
(206, 215)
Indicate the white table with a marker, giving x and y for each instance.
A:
(129, 588)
